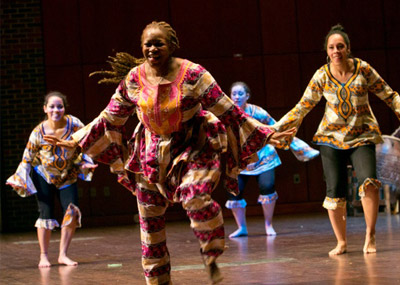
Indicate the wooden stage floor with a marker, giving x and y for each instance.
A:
(297, 255)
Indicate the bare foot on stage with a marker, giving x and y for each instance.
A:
(339, 249)
(67, 261)
(370, 244)
(270, 230)
(240, 232)
(44, 261)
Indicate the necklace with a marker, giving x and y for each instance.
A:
(161, 79)
(158, 79)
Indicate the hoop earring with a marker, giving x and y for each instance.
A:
(328, 60)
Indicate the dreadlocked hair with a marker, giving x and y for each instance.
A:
(171, 34)
(121, 64)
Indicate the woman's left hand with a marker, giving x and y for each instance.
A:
(277, 136)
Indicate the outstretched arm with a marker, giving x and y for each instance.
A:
(68, 144)
(276, 137)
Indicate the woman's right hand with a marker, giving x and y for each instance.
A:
(60, 142)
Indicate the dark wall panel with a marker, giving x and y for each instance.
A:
(393, 68)
(109, 26)
(279, 26)
(282, 80)
(315, 17)
(309, 64)
(247, 69)
(97, 95)
(108, 197)
(315, 180)
(61, 29)
(68, 80)
(288, 190)
(365, 29)
(391, 9)
(216, 28)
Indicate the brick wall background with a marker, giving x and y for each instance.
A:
(22, 89)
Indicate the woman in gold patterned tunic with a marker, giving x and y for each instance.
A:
(50, 171)
(348, 131)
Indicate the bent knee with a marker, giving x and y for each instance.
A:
(369, 184)
(72, 216)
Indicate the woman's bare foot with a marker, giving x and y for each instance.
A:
(240, 232)
(270, 230)
(44, 261)
(370, 244)
(339, 249)
(63, 259)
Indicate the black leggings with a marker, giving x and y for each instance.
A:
(46, 193)
(266, 183)
(335, 163)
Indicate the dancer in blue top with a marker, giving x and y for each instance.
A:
(263, 169)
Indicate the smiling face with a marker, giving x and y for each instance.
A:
(337, 49)
(156, 47)
(239, 95)
(54, 109)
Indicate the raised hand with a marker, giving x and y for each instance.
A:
(60, 142)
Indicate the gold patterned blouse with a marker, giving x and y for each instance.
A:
(348, 120)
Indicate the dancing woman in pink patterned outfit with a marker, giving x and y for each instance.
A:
(174, 155)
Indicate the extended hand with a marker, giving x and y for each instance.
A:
(89, 165)
(277, 136)
(60, 142)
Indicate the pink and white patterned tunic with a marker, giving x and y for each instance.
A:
(184, 127)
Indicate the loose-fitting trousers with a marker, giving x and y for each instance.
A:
(206, 221)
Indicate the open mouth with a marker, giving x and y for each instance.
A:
(153, 56)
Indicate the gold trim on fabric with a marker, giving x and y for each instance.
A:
(334, 203)
(368, 181)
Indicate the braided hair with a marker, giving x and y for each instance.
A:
(171, 34)
(123, 62)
